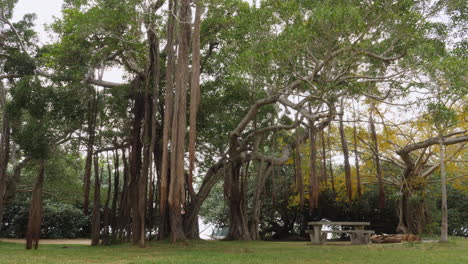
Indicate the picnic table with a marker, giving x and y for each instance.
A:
(358, 235)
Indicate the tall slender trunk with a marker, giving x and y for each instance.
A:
(92, 117)
(96, 214)
(124, 214)
(177, 184)
(324, 157)
(347, 167)
(168, 105)
(298, 170)
(4, 151)
(332, 178)
(264, 171)
(444, 224)
(313, 177)
(194, 93)
(35, 212)
(377, 158)
(115, 197)
(106, 216)
(156, 76)
(356, 163)
(136, 188)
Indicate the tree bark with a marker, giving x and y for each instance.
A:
(124, 210)
(213, 175)
(115, 197)
(163, 230)
(264, 172)
(4, 151)
(444, 224)
(35, 212)
(194, 93)
(106, 216)
(238, 228)
(377, 158)
(356, 163)
(177, 184)
(313, 177)
(92, 117)
(135, 186)
(96, 214)
(324, 157)
(298, 170)
(347, 167)
(332, 178)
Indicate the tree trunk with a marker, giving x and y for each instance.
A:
(298, 170)
(332, 178)
(264, 171)
(444, 224)
(115, 197)
(124, 210)
(356, 163)
(92, 117)
(194, 93)
(377, 159)
(35, 211)
(96, 214)
(135, 189)
(106, 216)
(163, 230)
(324, 157)
(313, 177)
(177, 184)
(347, 167)
(213, 175)
(238, 229)
(4, 151)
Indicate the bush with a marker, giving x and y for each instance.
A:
(59, 220)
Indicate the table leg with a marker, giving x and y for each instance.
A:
(358, 238)
(315, 235)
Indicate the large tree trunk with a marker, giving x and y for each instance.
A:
(177, 184)
(35, 211)
(444, 224)
(164, 181)
(347, 167)
(96, 214)
(194, 93)
(413, 214)
(238, 228)
(155, 77)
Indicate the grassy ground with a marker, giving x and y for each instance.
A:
(205, 252)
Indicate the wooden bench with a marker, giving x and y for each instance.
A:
(359, 236)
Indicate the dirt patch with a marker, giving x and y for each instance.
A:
(51, 241)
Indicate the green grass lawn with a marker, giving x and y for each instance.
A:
(456, 251)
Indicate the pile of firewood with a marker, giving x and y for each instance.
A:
(394, 238)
